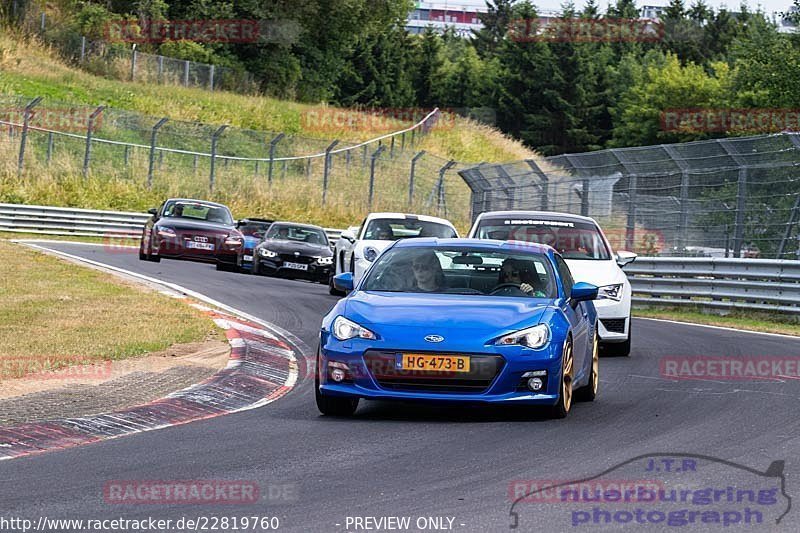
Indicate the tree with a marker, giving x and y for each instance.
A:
(495, 23)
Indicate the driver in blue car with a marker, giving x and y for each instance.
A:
(513, 271)
(428, 275)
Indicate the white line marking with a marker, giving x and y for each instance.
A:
(724, 328)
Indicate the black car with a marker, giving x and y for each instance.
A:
(254, 230)
(196, 230)
(295, 251)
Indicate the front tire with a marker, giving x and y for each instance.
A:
(332, 405)
(588, 392)
(564, 404)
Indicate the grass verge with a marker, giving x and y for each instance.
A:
(766, 323)
(55, 314)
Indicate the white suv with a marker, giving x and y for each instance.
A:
(588, 253)
(358, 247)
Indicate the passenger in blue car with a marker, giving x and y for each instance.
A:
(428, 275)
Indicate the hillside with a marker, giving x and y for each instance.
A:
(28, 69)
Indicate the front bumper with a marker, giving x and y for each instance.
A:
(505, 386)
(614, 318)
(169, 248)
(276, 266)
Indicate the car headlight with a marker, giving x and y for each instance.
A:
(610, 292)
(534, 337)
(370, 254)
(267, 253)
(344, 329)
(232, 240)
(325, 260)
(166, 232)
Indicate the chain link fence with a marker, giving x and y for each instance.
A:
(122, 60)
(734, 197)
(251, 169)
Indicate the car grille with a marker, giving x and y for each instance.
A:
(614, 325)
(302, 259)
(483, 370)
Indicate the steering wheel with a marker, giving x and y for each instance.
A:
(508, 289)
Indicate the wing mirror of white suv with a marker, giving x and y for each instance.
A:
(349, 236)
(625, 258)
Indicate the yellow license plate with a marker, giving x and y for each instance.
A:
(436, 363)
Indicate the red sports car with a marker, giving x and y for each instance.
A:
(195, 230)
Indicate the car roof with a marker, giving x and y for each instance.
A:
(487, 244)
(297, 224)
(423, 218)
(254, 219)
(547, 215)
(195, 200)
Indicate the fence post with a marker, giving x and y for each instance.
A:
(308, 168)
(194, 164)
(89, 128)
(544, 200)
(391, 148)
(152, 162)
(49, 147)
(272, 145)
(211, 78)
(326, 170)
(441, 201)
(283, 171)
(403, 141)
(630, 226)
(585, 197)
(364, 157)
(374, 158)
(42, 24)
(186, 73)
(741, 194)
(127, 154)
(160, 73)
(133, 63)
(23, 140)
(83, 48)
(412, 175)
(214, 138)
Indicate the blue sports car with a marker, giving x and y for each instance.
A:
(460, 320)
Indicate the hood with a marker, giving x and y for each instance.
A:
(305, 248)
(444, 312)
(185, 224)
(596, 272)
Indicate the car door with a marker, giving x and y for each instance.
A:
(577, 314)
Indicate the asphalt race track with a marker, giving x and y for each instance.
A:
(421, 461)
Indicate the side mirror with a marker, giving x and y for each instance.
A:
(153, 211)
(343, 281)
(625, 258)
(348, 235)
(583, 291)
(239, 224)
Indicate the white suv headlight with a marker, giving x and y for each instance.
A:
(610, 292)
(344, 329)
(534, 337)
(370, 254)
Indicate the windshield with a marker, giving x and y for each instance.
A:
(254, 229)
(199, 211)
(286, 232)
(446, 270)
(573, 239)
(392, 229)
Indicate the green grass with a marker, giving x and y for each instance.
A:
(751, 321)
(55, 314)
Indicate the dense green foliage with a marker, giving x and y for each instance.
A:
(557, 95)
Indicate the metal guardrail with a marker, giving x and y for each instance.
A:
(711, 283)
(716, 283)
(46, 220)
